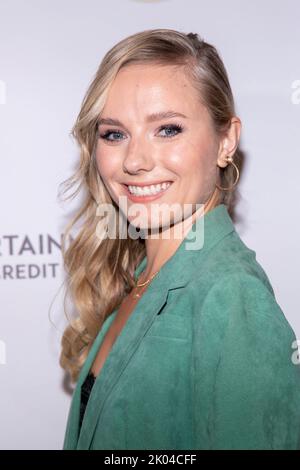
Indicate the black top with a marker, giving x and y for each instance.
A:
(85, 393)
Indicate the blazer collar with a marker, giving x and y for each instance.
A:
(204, 234)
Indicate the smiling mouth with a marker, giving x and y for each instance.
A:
(150, 190)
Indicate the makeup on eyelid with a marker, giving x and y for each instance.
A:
(175, 127)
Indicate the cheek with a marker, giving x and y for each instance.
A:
(106, 169)
(189, 158)
(194, 161)
(107, 163)
(101, 165)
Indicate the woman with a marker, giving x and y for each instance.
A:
(178, 344)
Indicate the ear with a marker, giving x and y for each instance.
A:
(229, 142)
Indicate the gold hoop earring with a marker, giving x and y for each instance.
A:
(230, 160)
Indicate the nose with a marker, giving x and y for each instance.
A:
(139, 156)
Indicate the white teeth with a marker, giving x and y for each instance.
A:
(148, 190)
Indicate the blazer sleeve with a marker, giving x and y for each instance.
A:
(244, 338)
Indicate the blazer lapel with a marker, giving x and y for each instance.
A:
(71, 437)
(175, 273)
(124, 347)
(71, 434)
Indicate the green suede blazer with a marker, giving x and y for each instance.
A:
(203, 362)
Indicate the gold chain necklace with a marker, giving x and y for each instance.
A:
(137, 295)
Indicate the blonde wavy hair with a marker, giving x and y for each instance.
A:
(100, 273)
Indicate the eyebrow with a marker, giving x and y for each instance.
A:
(150, 118)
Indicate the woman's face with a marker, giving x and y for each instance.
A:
(139, 146)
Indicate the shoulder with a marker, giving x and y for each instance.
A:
(232, 290)
(241, 321)
(243, 348)
(231, 257)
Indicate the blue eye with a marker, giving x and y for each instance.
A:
(173, 127)
(108, 133)
(172, 131)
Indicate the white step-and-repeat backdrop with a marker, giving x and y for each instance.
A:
(49, 52)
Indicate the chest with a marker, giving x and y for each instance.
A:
(151, 400)
(123, 313)
(146, 372)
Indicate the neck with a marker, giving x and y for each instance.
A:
(159, 250)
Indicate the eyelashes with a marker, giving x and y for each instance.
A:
(178, 128)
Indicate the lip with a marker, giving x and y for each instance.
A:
(134, 198)
(146, 183)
